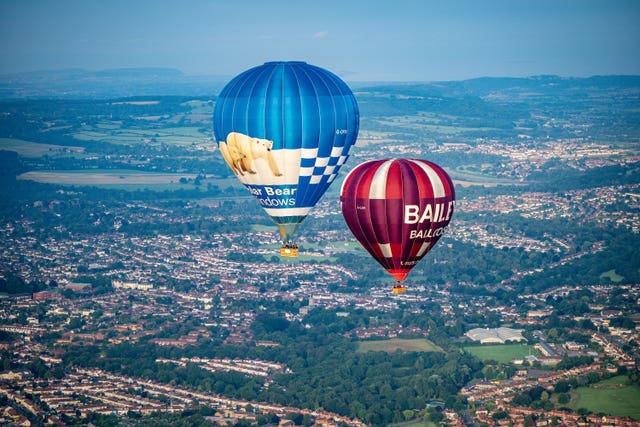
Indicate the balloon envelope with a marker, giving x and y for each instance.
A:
(397, 209)
(285, 129)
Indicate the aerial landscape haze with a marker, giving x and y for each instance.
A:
(226, 214)
(134, 261)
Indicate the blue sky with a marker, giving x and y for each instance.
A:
(360, 40)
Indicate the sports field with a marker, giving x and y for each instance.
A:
(389, 346)
(502, 353)
(612, 397)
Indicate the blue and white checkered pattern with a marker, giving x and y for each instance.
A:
(318, 167)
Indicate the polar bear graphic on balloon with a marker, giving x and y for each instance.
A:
(240, 151)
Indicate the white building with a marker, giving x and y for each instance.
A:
(495, 335)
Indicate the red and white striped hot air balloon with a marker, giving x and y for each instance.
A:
(398, 210)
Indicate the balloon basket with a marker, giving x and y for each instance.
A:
(399, 289)
(290, 251)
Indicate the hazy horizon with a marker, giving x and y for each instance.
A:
(407, 40)
(223, 77)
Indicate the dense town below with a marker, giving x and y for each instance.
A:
(140, 284)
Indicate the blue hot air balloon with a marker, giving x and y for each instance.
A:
(285, 129)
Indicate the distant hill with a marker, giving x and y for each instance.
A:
(544, 83)
(125, 82)
(484, 86)
(112, 83)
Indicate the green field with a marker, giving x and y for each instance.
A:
(99, 177)
(168, 135)
(127, 179)
(466, 178)
(611, 397)
(613, 276)
(389, 346)
(34, 149)
(502, 353)
(426, 124)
